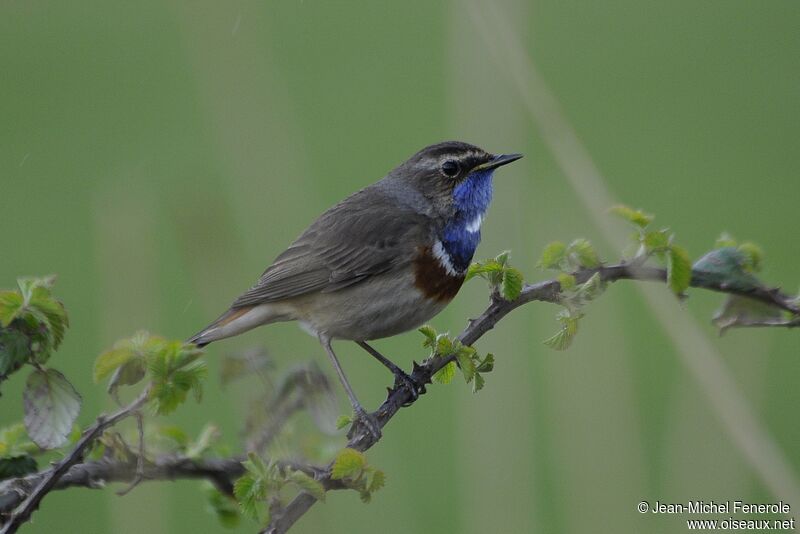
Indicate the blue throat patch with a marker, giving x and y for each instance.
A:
(472, 198)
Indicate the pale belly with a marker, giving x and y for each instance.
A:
(384, 306)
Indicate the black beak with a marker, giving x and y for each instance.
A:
(497, 161)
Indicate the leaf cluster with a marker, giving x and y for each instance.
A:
(17, 452)
(351, 467)
(224, 507)
(466, 358)
(32, 326)
(264, 480)
(647, 242)
(173, 367)
(579, 255)
(504, 279)
(734, 265)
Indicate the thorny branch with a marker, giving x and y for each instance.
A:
(547, 291)
(222, 472)
(23, 495)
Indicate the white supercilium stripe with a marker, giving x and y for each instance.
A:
(444, 258)
(475, 225)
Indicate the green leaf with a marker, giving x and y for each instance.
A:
(53, 311)
(128, 360)
(562, 339)
(725, 240)
(309, 485)
(17, 466)
(14, 350)
(503, 257)
(753, 256)
(377, 481)
(739, 311)
(657, 240)
(589, 290)
(10, 304)
(487, 364)
(725, 266)
(251, 492)
(374, 479)
(176, 371)
(222, 506)
(128, 374)
(553, 255)
(679, 269)
(37, 314)
(14, 441)
(256, 465)
(512, 283)
(109, 361)
(637, 218)
(479, 382)
(444, 345)
(172, 391)
(486, 269)
(343, 421)
(566, 281)
(467, 365)
(51, 407)
(29, 284)
(252, 488)
(581, 253)
(430, 335)
(445, 374)
(349, 463)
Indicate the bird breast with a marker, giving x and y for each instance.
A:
(435, 275)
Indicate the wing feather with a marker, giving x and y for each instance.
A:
(362, 236)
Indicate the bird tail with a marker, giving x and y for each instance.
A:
(232, 322)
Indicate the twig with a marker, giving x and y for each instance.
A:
(139, 457)
(49, 481)
(94, 475)
(765, 323)
(547, 291)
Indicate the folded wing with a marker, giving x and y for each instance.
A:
(362, 236)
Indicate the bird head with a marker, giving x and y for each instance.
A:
(454, 178)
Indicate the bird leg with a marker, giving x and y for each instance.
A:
(401, 378)
(369, 421)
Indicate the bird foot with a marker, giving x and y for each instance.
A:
(403, 380)
(368, 422)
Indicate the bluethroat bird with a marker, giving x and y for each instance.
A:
(381, 262)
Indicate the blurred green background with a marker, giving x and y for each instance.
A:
(157, 155)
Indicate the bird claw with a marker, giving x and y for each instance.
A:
(402, 380)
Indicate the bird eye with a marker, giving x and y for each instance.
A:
(450, 168)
